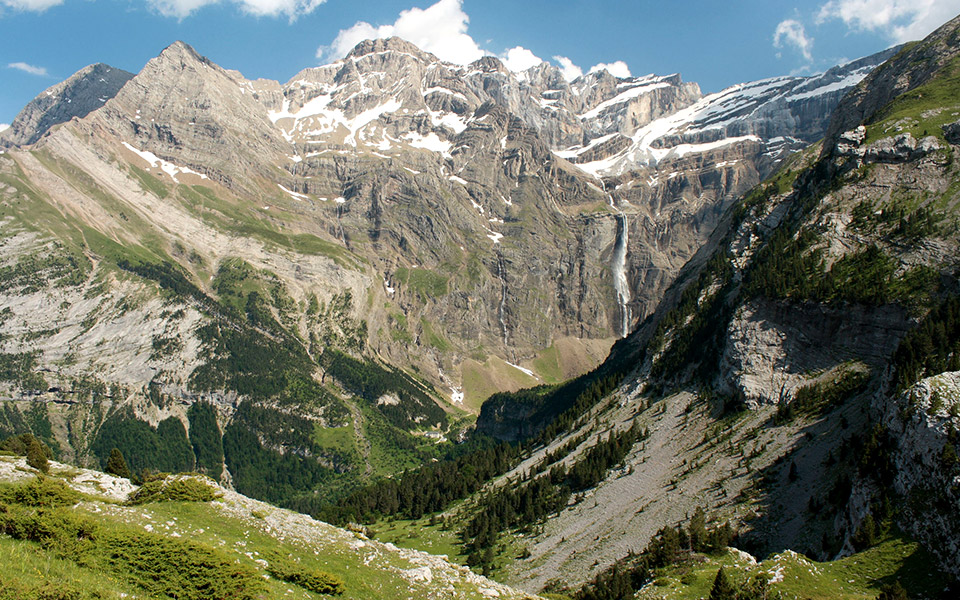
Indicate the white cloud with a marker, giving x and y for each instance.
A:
(22, 66)
(617, 69)
(899, 20)
(569, 70)
(520, 59)
(790, 32)
(4, 127)
(258, 8)
(178, 8)
(32, 5)
(272, 8)
(440, 29)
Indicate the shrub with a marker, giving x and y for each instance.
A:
(174, 489)
(64, 533)
(312, 580)
(178, 569)
(17, 590)
(41, 492)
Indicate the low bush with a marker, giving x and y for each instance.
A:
(42, 492)
(174, 489)
(312, 580)
(60, 590)
(177, 568)
(62, 532)
(163, 567)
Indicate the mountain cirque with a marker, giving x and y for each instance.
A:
(332, 260)
(452, 187)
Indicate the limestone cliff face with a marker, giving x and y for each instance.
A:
(771, 349)
(923, 422)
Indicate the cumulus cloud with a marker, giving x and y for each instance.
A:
(899, 20)
(617, 69)
(790, 32)
(520, 59)
(259, 8)
(4, 126)
(22, 66)
(569, 70)
(440, 29)
(31, 5)
(178, 8)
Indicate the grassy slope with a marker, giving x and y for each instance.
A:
(248, 531)
(856, 577)
(923, 110)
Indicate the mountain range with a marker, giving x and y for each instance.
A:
(743, 302)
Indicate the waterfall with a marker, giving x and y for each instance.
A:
(619, 268)
(501, 310)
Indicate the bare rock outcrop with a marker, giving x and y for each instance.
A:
(773, 348)
(924, 422)
(895, 149)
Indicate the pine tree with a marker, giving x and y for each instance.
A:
(117, 465)
(36, 457)
(698, 530)
(722, 587)
(894, 591)
(866, 535)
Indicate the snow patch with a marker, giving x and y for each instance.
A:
(847, 82)
(430, 142)
(445, 119)
(294, 194)
(440, 90)
(526, 371)
(167, 167)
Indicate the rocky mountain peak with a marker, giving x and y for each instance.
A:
(185, 109)
(179, 56)
(83, 92)
(489, 64)
(391, 44)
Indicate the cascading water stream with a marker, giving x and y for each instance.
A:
(501, 310)
(619, 268)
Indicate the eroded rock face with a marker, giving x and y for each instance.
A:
(772, 348)
(951, 132)
(214, 127)
(87, 90)
(900, 148)
(923, 421)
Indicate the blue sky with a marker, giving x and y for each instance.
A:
(713, 43)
